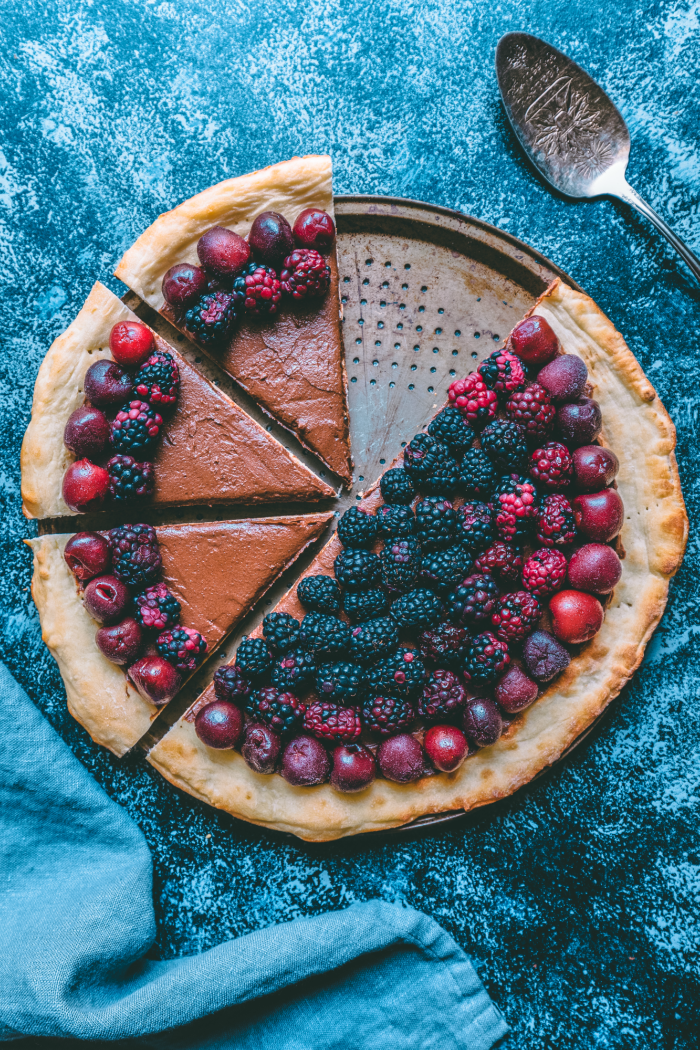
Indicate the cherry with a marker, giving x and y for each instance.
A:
(88, 554)
(85, 485)
(599, 515)
(446, 747)
(219, 725)
(401, 759)
(107, 384)
(515, 691)
(564, 378)
(131, 343)
(120, 643)
(155, 679)
(314, 229)
(353, 767)
(595, 567)
(594, 468)
(482, 721)
(544, 657)
(576, 616)
(534, 341)
(305, 762)
(260, 747)
(222, 251)
(107, 599)
(86, 432)
(270, 238)
(579, 421)
(182, 284)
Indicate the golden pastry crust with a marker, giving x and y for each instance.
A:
(654, 534)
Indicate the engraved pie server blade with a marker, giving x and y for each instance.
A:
(569, 128)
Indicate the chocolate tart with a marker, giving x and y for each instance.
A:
(292, 364)
(217, 570)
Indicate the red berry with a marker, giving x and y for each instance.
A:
(544, 572)
(564, 378)
(401, 759)
(107, 384)
(219, 725)
(502, 560)
(515, 691)
(85, 485)
(515, 616)
(594, 468)
(261, 746)
(120, 643)
(222, 251)
(107, 599)
(87, 432)
(555, 522)
(184, 647)
(305, 762)
(503, 372)
(599, 515)
(446, 747)
(155, 679)
(482, 721)
(579, 422)
(515, 507)
(329, 721)
(270, 238)
(314, 228)
(306, 274)
(551, 465)
(353, 768)
(88, 554)
(182, 284)
(576, 616)
(595, 567)
(532, 409)
(131, 343)
(544, 656)
(473, 398)
(534, 341)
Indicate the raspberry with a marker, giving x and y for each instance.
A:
(443, 570)
(342, 682)
(323, 635)
(502, 561)
(257, 289)
(395, 520)
(401, 562)
(396, 486)
(293, 670)
(474, 600)
(450, 429)
(515, 507)
(544, 572)
(430, 465)
(283, 712)
(328, 721)
(231, 685)
(281, 632)
(444, 645)
(136, 559)
(357, 528)
(135, 428)
(400, 675)
(487, 658)
(253, 658)
(129, 479)
(157, 608)
(158, 380)
(435, 523)
(555, 522)
(475, 526)
(387, 715)
(516, 615)
(443, 697)
(183, 647)
(305, 274)
(417, 610)
(474, 400)
(532, 409)
(364, 605)
(505, 445)
(477, 476)
(355, 569)
(319, 593)
(212, 317)
(503, 372)
(373, 639)
(551, 465)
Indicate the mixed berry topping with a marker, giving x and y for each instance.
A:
(544, 572)
(503, 372)
(129, 479)
(158, 380)
(502, 560)
(183, 647)
(474, 399)
(555, 522)
(281, 711)
(442, 698)
(319, 593)
(257, 289)
(515, 507)
(532, 409)
(329, 721)
(212, 317)
(136, 428)
(156, 608)
(551, 466)
(136, 559)
(305, 274)
(474, 600)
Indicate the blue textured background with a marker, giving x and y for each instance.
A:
(579, 898)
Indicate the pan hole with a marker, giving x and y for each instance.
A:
(376, 364)
(397, 346)
(407, 266)
(414, 367)
(416, 348)
(366, 280)
(363, 302)
(452, 372)
(478, 298)
(395, 364)
(373, 382)
(377, 342)
(368, 262)
(474, 354)
(385, 284)
(361, 477)
(457, 333)
(421, 309)
(354, 379)
(400, 326)
(356, 360)
(455, 352)
(436, 349)
(197, 360)
(419, 327)
(431, 389)
(346, 280)
(361, 320)
(387, 264)
(441, 310)
(403, 443)
(392, 384)
(496, 338)
(424, 288)
(380, 324)
(438, 331)
(477, 335)
(411, 386)
(405, 287)
(382, 462)
(358, 341)
(358, 496)
(402, 306)
(383, 302)
(343, 298)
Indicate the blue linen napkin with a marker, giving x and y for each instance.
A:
(76, 921)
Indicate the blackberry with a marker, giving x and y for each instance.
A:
(355, 568)
(502, 561)
(401, 563)
(373, 639)
(282, 711)
(323, 635)
(475, 526)
(445, 645)
(515, 507)
(436, 520)
(342, 682)
(417, 610)
(443, 570)
(230, 684)
(357, 528)
(257, 290)
(129, 479)
(158, 380)
(396, 486)
(319, 593)
(395, 519)
(556, 526)
(503, 372)
(430, 465)
(212, 317)
(477, 475)
(532, 409)
(281, 632)
(516, 615)
(183, 647)
(328, 721)
(388, 715)
(294, 670)
(449, 429)
(157, 608)
(136, 559)
(253, 658)
(473, 398)
(505, 445)
(135, 428)
(443, 697)
(364, 605)
(400, 675)
(305, 274)
(486, 660)
(474, 601)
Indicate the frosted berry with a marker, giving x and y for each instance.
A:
(596, 568)
(222, 251)
(594, 468)
(257, 289)
(211, 318)
(87, 432)
(401, 759)
(502, 561)
(474, 399)
(157, 608)
(305, 762)
(532, 409)
(446, 747)
(579, 422)
(85, 485)
(88, 554)
(443, 697)
(319, 593)
(107, 384)
(120, 643)
(486, 660)
(475, 528)
(219, 725)
(231, 684)
(314, 228)
(260, 748)
(534, 341)
(515, 691)
(576, 616)
(474, 601)
(183, 647)
(564, 378)
(551, 465)
(544, 656)
(515, 507)
(353, 768)
(555, 522)
(135, 428)
(373, 639)
(544, 572)
(135, 554)
(158, 379)
(129, 479)
(516, 615)
(305, 274)
(131, 342)
(445, 645)
(182, 284)
(271, 238)
(482, 722)
(283, 712)
(503, 372)
(599, 516)
(155, 679)
(333, 723)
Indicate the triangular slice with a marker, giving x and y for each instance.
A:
(291, 364)
(211, 451)
(217, 571)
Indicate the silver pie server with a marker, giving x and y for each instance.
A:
(569, 128)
